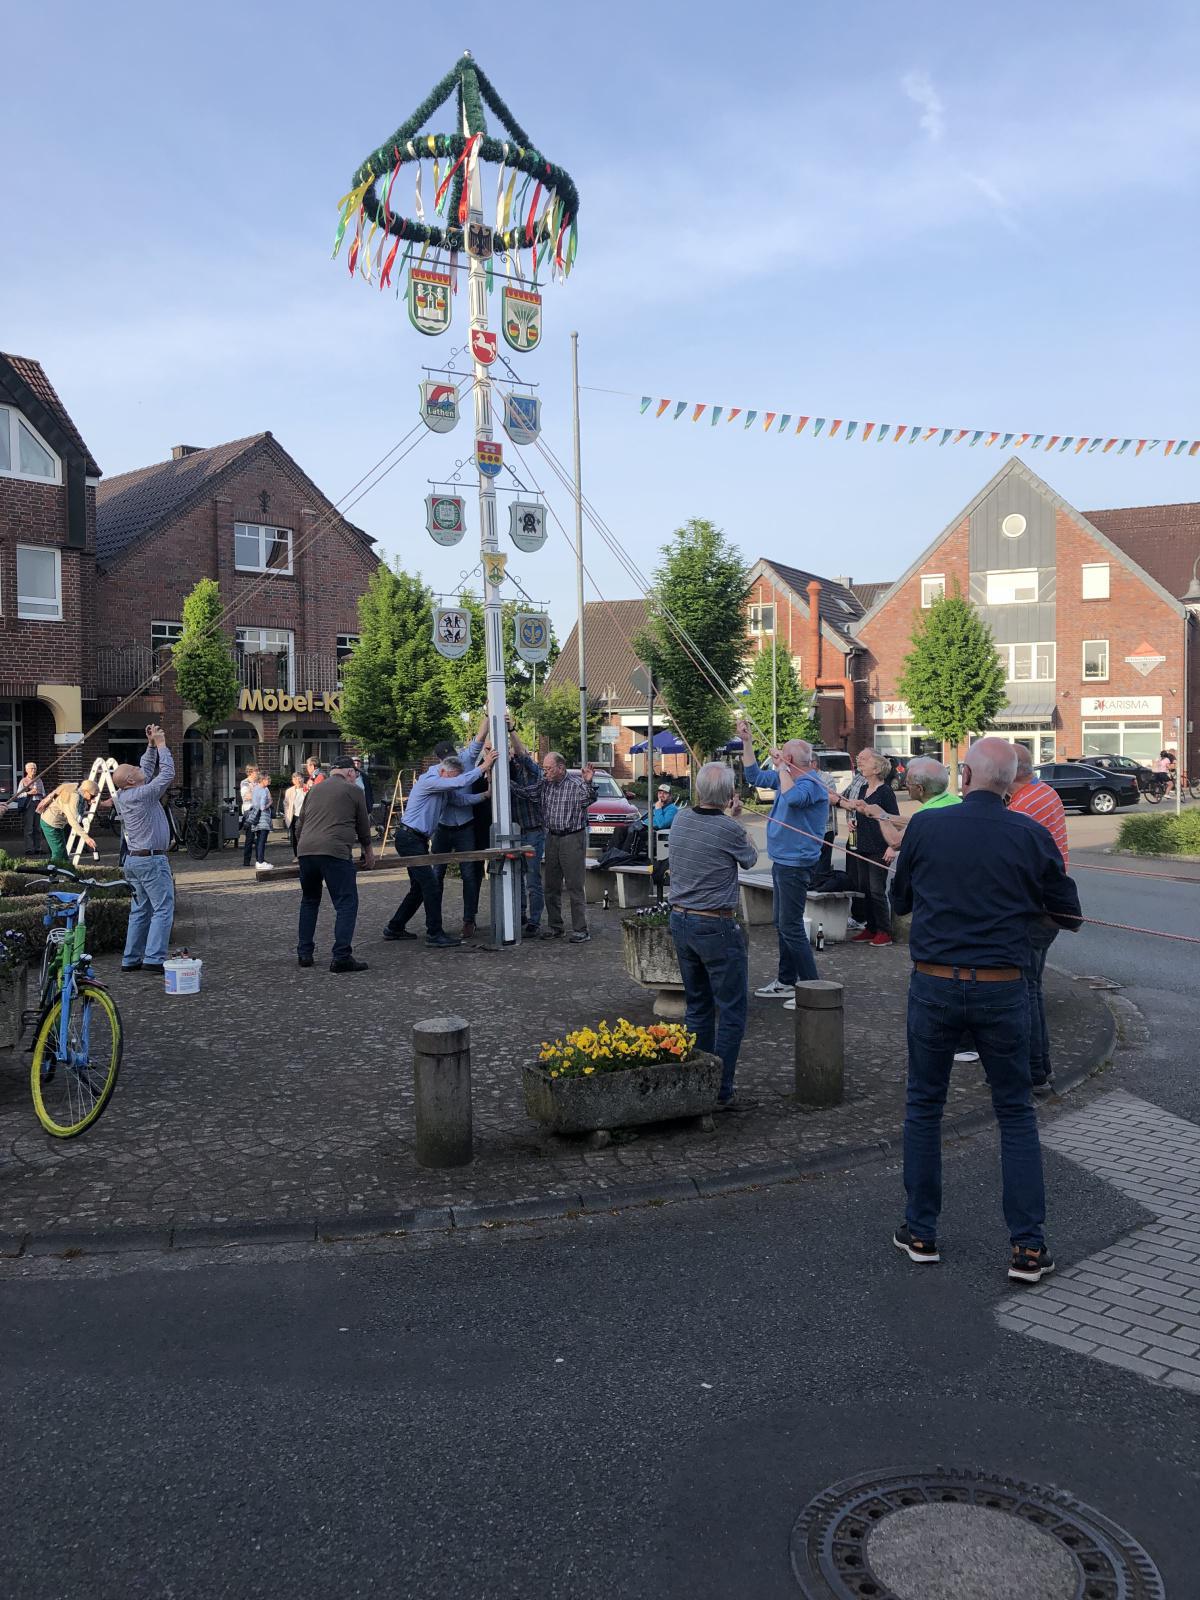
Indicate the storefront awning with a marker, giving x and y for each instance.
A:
(1035, 711)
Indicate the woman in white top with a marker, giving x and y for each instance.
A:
(293, 799)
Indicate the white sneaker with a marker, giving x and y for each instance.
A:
(265, 866)
(854, 926)
(776, 991)
(965, 1057)
(790, 1005)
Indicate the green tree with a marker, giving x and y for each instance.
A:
(788, 709)
(701, 583)
(394, 700)
(553, 715)
(952, 679)
(206, 674)
(466, 678)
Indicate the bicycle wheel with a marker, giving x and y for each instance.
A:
(69, 1095)
(196, 838)
(1153, 793)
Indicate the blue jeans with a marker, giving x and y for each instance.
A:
(341, 879)
(451, 837)
(425, 886)
(533, 899)
(713, 963)
(796, 964)
(1040, 940)
(153, 909)
(995, 1016)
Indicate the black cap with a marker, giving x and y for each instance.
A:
(341, 763)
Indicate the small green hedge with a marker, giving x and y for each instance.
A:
(107, 918)
(1162, 835)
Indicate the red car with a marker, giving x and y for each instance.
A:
(608, 811)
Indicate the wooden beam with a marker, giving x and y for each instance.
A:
(400, 863)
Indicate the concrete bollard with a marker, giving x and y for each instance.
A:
(442, 1091)
(820, 1043)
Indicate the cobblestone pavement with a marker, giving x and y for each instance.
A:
(1136, 1305)
(285, 1094)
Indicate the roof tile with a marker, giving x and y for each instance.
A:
(609, 659)
(33, 375)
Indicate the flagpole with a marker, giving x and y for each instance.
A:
(583, 744)
(508, 928)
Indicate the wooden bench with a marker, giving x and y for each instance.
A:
(826, 909)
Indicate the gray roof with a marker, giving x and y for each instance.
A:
(32, 374)
(839, 606)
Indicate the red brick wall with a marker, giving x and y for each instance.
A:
(792, 626)
(46, 652)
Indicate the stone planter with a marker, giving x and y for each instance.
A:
(624, 1099)
(13, 986)
(649, 954)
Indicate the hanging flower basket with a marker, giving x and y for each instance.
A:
(619, 1077)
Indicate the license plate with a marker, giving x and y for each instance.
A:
(595, 829)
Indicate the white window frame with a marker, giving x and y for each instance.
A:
(1095, 677)
(756, 623)
(171, 633)
(927, 599)
(10, 417)
(1117, 731)
(260, 648)
(267, 533)
(1096, 567)
(22, 601)
(1008, 658)
(1014, 573)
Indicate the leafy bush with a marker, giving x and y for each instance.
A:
(1161, 835)
(107, 920)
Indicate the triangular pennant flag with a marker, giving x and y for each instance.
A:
(1053, 440)
(750, 416)
(946, 432)
(818, 425)
(868, 430)
(1108, 444)
(783, 421)
(1125, 443)
(991, 439)
(1021, 438)
(800, 424)
(1180, 447)
(698, 411)
(834, 426)
(734, 411)
(928, 434)
(976, 439)
(900, 427)
(680, 408)
(1066, 441)
(850, 429)
(961, 435)
(1192, 448)
(1168, 447)
(1094, 444)
(646, 399)
(1141, 445)
(1154, 444)
(885, 428)
(768, 419)
(662, 406)
(1005, 442)
(1080, 444)
(716, 414)
(1037, 439)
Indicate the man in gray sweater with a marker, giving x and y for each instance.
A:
(707, 848)
(332, 818)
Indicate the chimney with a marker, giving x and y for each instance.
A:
(812, 667)
(178, 451)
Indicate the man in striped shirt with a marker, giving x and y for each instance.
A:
(1039, 801)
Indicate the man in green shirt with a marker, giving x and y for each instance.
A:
(928, 783)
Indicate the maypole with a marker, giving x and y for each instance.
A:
(536, 207)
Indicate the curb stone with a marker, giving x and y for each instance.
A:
(1123, 1031)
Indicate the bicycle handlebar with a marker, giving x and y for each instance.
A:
(57, 873)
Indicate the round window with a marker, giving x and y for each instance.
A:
(1013, 525)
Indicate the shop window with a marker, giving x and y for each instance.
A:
(1140, 741)
(1012, 588)
(39, 583)
(23, 452)
(259, 548)
(1095, 581)
(1095, 660)
(932, 588)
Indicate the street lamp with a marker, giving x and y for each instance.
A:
(1192, 597)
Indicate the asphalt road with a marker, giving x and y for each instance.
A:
(636, 1405)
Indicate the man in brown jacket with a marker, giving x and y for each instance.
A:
(332, 819)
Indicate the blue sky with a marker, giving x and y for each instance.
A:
(967, 216)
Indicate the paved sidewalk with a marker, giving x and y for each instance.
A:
(279, 1094)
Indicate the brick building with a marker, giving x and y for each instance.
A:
(47, 577)
(1086, 614)
(812, 618)
(291, 571)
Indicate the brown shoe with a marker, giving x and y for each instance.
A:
(468, 930)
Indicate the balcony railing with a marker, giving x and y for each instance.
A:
(122, 669)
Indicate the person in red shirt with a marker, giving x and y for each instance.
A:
(1039, 801)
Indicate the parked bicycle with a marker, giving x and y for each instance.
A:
(77, 1028)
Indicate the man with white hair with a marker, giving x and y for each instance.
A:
(795, 834)
(147, 836)
(975, 877)
(707, 848)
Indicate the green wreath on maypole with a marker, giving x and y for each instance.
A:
(546, 228)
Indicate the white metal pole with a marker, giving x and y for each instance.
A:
(774, 694)
(493, 623)
(583, 746)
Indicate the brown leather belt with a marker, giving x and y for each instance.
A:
(146, 852)
(690, 911)
(968, 974)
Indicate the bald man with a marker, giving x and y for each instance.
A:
(140, 792)
(976, 877)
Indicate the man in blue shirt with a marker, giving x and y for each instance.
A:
(795, 833)
(976, 878)
(456, 828)
(147, 837)
(422, 814)
(666, 810)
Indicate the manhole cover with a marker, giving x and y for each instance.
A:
(940, 1535)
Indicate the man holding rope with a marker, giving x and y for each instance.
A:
(795, 833)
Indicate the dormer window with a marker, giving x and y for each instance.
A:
(23, 451)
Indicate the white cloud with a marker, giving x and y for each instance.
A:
(918, 86)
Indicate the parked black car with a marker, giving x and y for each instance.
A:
(1153, 785)
(1086, 788)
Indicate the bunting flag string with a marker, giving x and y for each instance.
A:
(909, 433)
